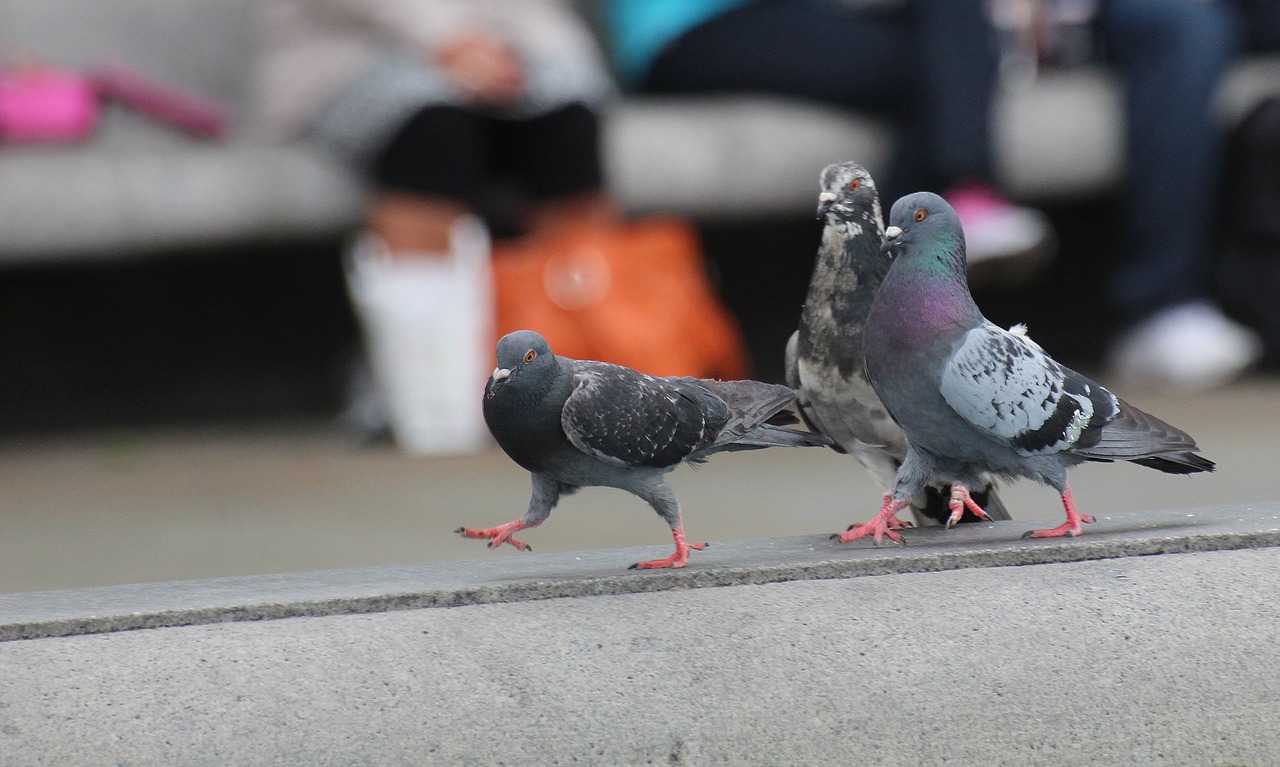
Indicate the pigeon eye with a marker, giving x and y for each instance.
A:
(530, 356)
(919, 216)
(854, 184)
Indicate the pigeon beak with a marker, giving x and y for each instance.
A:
(825, 201)
(890, 244)
(496, 379)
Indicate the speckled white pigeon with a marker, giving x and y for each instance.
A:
(974, 398)
(824, 356)
(579, 423)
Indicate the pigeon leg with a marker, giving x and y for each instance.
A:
(961, 500)
(1069, 528)
(882, 525)
(893, 522)
(663, 501)
(546, 492)
(677, 559)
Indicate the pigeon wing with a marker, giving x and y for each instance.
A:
(791, 375)
(1004, 385)
(632, 419)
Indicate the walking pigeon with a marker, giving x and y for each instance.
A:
(974, 398)
(824, 355)
(578, 423)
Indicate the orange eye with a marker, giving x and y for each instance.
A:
(854, 184)
(919, 216)
(530, 356)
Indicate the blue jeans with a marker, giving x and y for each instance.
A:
(1172, 55)
(930, 64)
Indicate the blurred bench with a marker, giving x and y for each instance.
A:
(140, 187)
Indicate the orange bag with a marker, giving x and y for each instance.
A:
(634, 294)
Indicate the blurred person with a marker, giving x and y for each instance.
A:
(437, 102)
(930, 64)
(444, 104)
(1173, 56)
(436, 99)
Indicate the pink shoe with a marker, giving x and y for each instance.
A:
(996, 231)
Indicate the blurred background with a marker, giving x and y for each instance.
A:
(177, 341)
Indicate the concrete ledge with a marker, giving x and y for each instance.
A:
(503, 579)
(1168, 660)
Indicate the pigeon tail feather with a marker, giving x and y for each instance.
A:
(773, 436)
(750, 404)
(1137, 436)
(1177, 463)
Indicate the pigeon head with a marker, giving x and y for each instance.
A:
(848, 194)
(524, 361)
(925, 226)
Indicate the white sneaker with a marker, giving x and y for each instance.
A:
(1189, 347)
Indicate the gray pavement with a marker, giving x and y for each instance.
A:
(1152, 660)
(549, 576)
(160, 505)
(1154, 639)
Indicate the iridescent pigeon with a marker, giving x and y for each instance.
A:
(577, 423)
(975, 399)
(824, 356)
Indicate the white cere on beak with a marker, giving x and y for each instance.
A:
(499, 374)
(892, 233)
(828, 197)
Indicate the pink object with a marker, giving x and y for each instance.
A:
(995, 228)
(165, 101)
(40, 104)
(974, 200)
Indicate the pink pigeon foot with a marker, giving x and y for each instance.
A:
(1069, 528)
(676, 560)
(961, 500)
(885, 524)
(499, 535)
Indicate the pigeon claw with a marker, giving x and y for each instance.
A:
(498, 535)
(877, 532)
(960, 501)
(893, 523)
(676, 560)
(1070, 528)
(884, 525)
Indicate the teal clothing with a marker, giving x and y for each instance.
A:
(641, 28)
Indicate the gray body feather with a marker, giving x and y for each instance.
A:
(975, 398)
(577, 423)
(824, 357)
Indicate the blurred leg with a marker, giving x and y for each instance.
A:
(956, 79)
(408, 224)
(1172, 54)
(1261, 23)
(792, 48)
(557, 155)
(430, 173)
(931, 64)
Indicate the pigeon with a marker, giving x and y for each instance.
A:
(974, 398)
(580, 423)
(824, 355)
